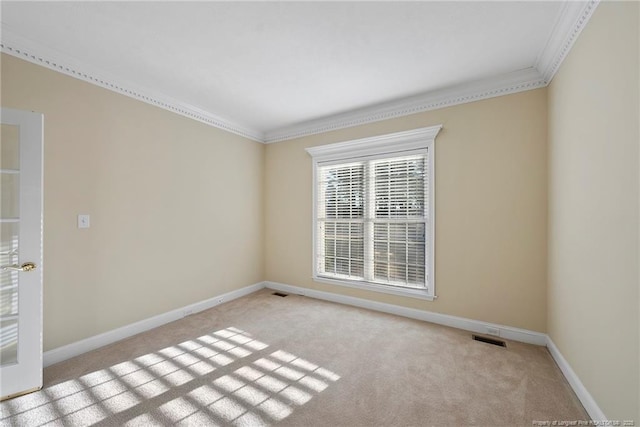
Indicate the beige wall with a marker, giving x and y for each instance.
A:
(593, 209)
(491, 207)
(176, 206)
(181, 211)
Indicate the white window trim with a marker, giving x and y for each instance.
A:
(377, 146)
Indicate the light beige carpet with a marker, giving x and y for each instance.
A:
(295, 361)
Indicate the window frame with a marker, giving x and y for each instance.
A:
(398, 144)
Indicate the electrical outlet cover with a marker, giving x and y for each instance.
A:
(84, 221)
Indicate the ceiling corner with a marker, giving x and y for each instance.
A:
(504, 84)
(570, 20)
(573, 17)
(36, 53)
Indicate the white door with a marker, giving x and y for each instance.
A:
(20, 252)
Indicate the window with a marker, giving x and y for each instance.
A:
(373, 213)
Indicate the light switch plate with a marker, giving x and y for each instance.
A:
(83, 221)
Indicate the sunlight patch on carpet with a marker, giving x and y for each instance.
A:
(179, 385)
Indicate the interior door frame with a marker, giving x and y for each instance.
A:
(26, 375)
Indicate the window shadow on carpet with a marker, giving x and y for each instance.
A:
(224, 378)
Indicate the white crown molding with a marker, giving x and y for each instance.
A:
(20, 47)
(504, 84)
(573, 17)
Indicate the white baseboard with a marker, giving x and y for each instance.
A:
(477, 326)
(579, 389)
(506, 332)
(522, 335)
(74, 349)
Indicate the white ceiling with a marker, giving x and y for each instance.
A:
(269, 68)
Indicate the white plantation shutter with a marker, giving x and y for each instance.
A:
(373, 213)
(371, 221)
(340, 220)
(400, 197)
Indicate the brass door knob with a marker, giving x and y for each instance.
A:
(27, 266)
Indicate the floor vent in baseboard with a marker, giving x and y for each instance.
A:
(279, 294)
(499, 343)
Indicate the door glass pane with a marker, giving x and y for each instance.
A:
(9, 196)
(8, 279)
(9, 228)
(8, 296)
(9, 338)
(10, 147)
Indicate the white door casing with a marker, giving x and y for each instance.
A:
(21, 163)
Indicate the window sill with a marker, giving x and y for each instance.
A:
(393, 290)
